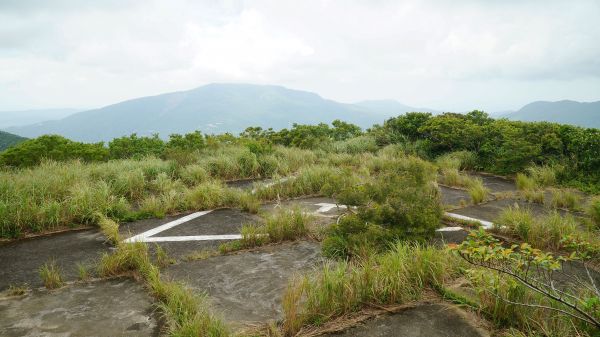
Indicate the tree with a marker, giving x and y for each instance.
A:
(537, 271)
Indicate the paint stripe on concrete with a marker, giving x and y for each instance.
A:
(193, 238)
(485, 224)
(145, 235)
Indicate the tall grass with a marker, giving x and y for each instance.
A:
(566, 198)
(524, 182)
(283, 225)
(545, 232)
(593, 210)
(477, 191)
(543, 176)
(399, 276)
(186, 313)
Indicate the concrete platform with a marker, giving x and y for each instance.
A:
(118, 307)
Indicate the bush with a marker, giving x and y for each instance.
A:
(566, 198)
(543, 176)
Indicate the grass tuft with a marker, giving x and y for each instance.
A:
(478, 191)
(51, 276)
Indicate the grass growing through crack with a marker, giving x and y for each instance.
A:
(544, 232)
(566, 198)
(187, 314)
(83, 273)
(477, 191)
(396, 277)
(51, 275)
(283, 225)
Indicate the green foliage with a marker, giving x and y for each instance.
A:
(396, 277)
(522, 292)
(593, 210)
(477, 191)
(33, 151)
(135, 147)
(8, 139)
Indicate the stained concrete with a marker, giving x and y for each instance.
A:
(427, 320)
(20, 260)
(109, 308)
(491, 210)
(247, 287)
(217, 222)
(496, 184)
(454, 196)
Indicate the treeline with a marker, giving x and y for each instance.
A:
(501, 146)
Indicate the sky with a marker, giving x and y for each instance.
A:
(455, 55)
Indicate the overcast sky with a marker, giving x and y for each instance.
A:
(449, 55)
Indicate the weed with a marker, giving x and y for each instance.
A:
(566, 198)
(83, 272)
(593, 210)
(127, 257)
(110, 229)
(517, 220)
(17, 290)
(161, 256)
(51, 276)
(524, 182)
(477, 191)
(396, 277)
(533, 195)
(543, 176)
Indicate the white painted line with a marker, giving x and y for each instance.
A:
(485, 224)
(143, 236)
(449, 229)
(325, 207)
(193, 238)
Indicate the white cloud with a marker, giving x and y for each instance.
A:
(449, 55)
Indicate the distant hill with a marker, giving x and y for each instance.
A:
(25, 117)
(213, 108)
(7, 140)
(391, 107)
(564, 112)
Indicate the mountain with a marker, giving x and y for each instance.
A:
(7, 140)
(391, 107)
(213, 108)
(586, 114)
(25, 117)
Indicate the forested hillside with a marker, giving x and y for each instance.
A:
(7, 140)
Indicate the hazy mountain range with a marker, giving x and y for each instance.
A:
(213, 108)
(586, 114)
(25, 117)
(218, 108)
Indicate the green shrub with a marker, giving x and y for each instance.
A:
(517, 220)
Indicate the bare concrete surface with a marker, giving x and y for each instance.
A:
(247, 287)
(453, 196)
(118, 307)
(427, 320)
(217, 222)
(20, 260)
(450, 236)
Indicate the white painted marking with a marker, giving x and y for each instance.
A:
(449, 229)
(193, 238)
(485, 224)
(325, 207)
(145, 235)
